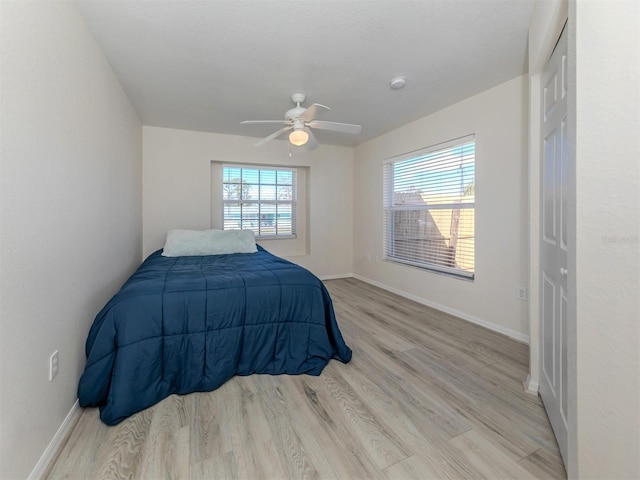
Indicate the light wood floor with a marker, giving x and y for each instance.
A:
(425, 396)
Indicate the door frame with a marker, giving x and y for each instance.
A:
(554, 253)
(546, 26)
(544, 31)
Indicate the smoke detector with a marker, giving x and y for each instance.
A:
(397, 83)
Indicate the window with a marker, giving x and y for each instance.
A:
(259, 199)
(429, 202)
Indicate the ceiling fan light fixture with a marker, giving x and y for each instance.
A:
(300, 123)
(298, 137)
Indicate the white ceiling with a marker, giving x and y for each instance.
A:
(207, 65)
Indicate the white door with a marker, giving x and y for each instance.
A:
(553, 255)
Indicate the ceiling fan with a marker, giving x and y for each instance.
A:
(301, 120)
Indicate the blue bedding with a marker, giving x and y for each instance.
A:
(187, 324)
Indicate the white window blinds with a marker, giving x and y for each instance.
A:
(429, 204)
(259, 199)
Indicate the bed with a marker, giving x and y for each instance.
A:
(189, 323)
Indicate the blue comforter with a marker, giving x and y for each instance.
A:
(187, 324)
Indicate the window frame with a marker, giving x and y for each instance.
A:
(292, 204)
(391, 206)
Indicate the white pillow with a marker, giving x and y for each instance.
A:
(184, 243)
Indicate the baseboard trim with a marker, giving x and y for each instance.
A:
(530, 386)
(520, 337)
(56, 444)
(336, 277)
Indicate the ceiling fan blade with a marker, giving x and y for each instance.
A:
(311, 112)
(336, 127)
(273, 135)
(312, 143)
(248, 122)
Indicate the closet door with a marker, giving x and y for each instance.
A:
(553, 288)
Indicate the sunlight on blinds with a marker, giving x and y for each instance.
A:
(259, 199)
(429, 208)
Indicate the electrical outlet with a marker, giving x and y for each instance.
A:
(521, 293)
(53, 365)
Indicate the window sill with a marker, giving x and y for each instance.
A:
(440, 271)
(276, 237)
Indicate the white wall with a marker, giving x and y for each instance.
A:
(177, 189)
(604, 269)
(498, 117)
(70, 219)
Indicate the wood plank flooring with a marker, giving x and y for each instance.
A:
(426, 396)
